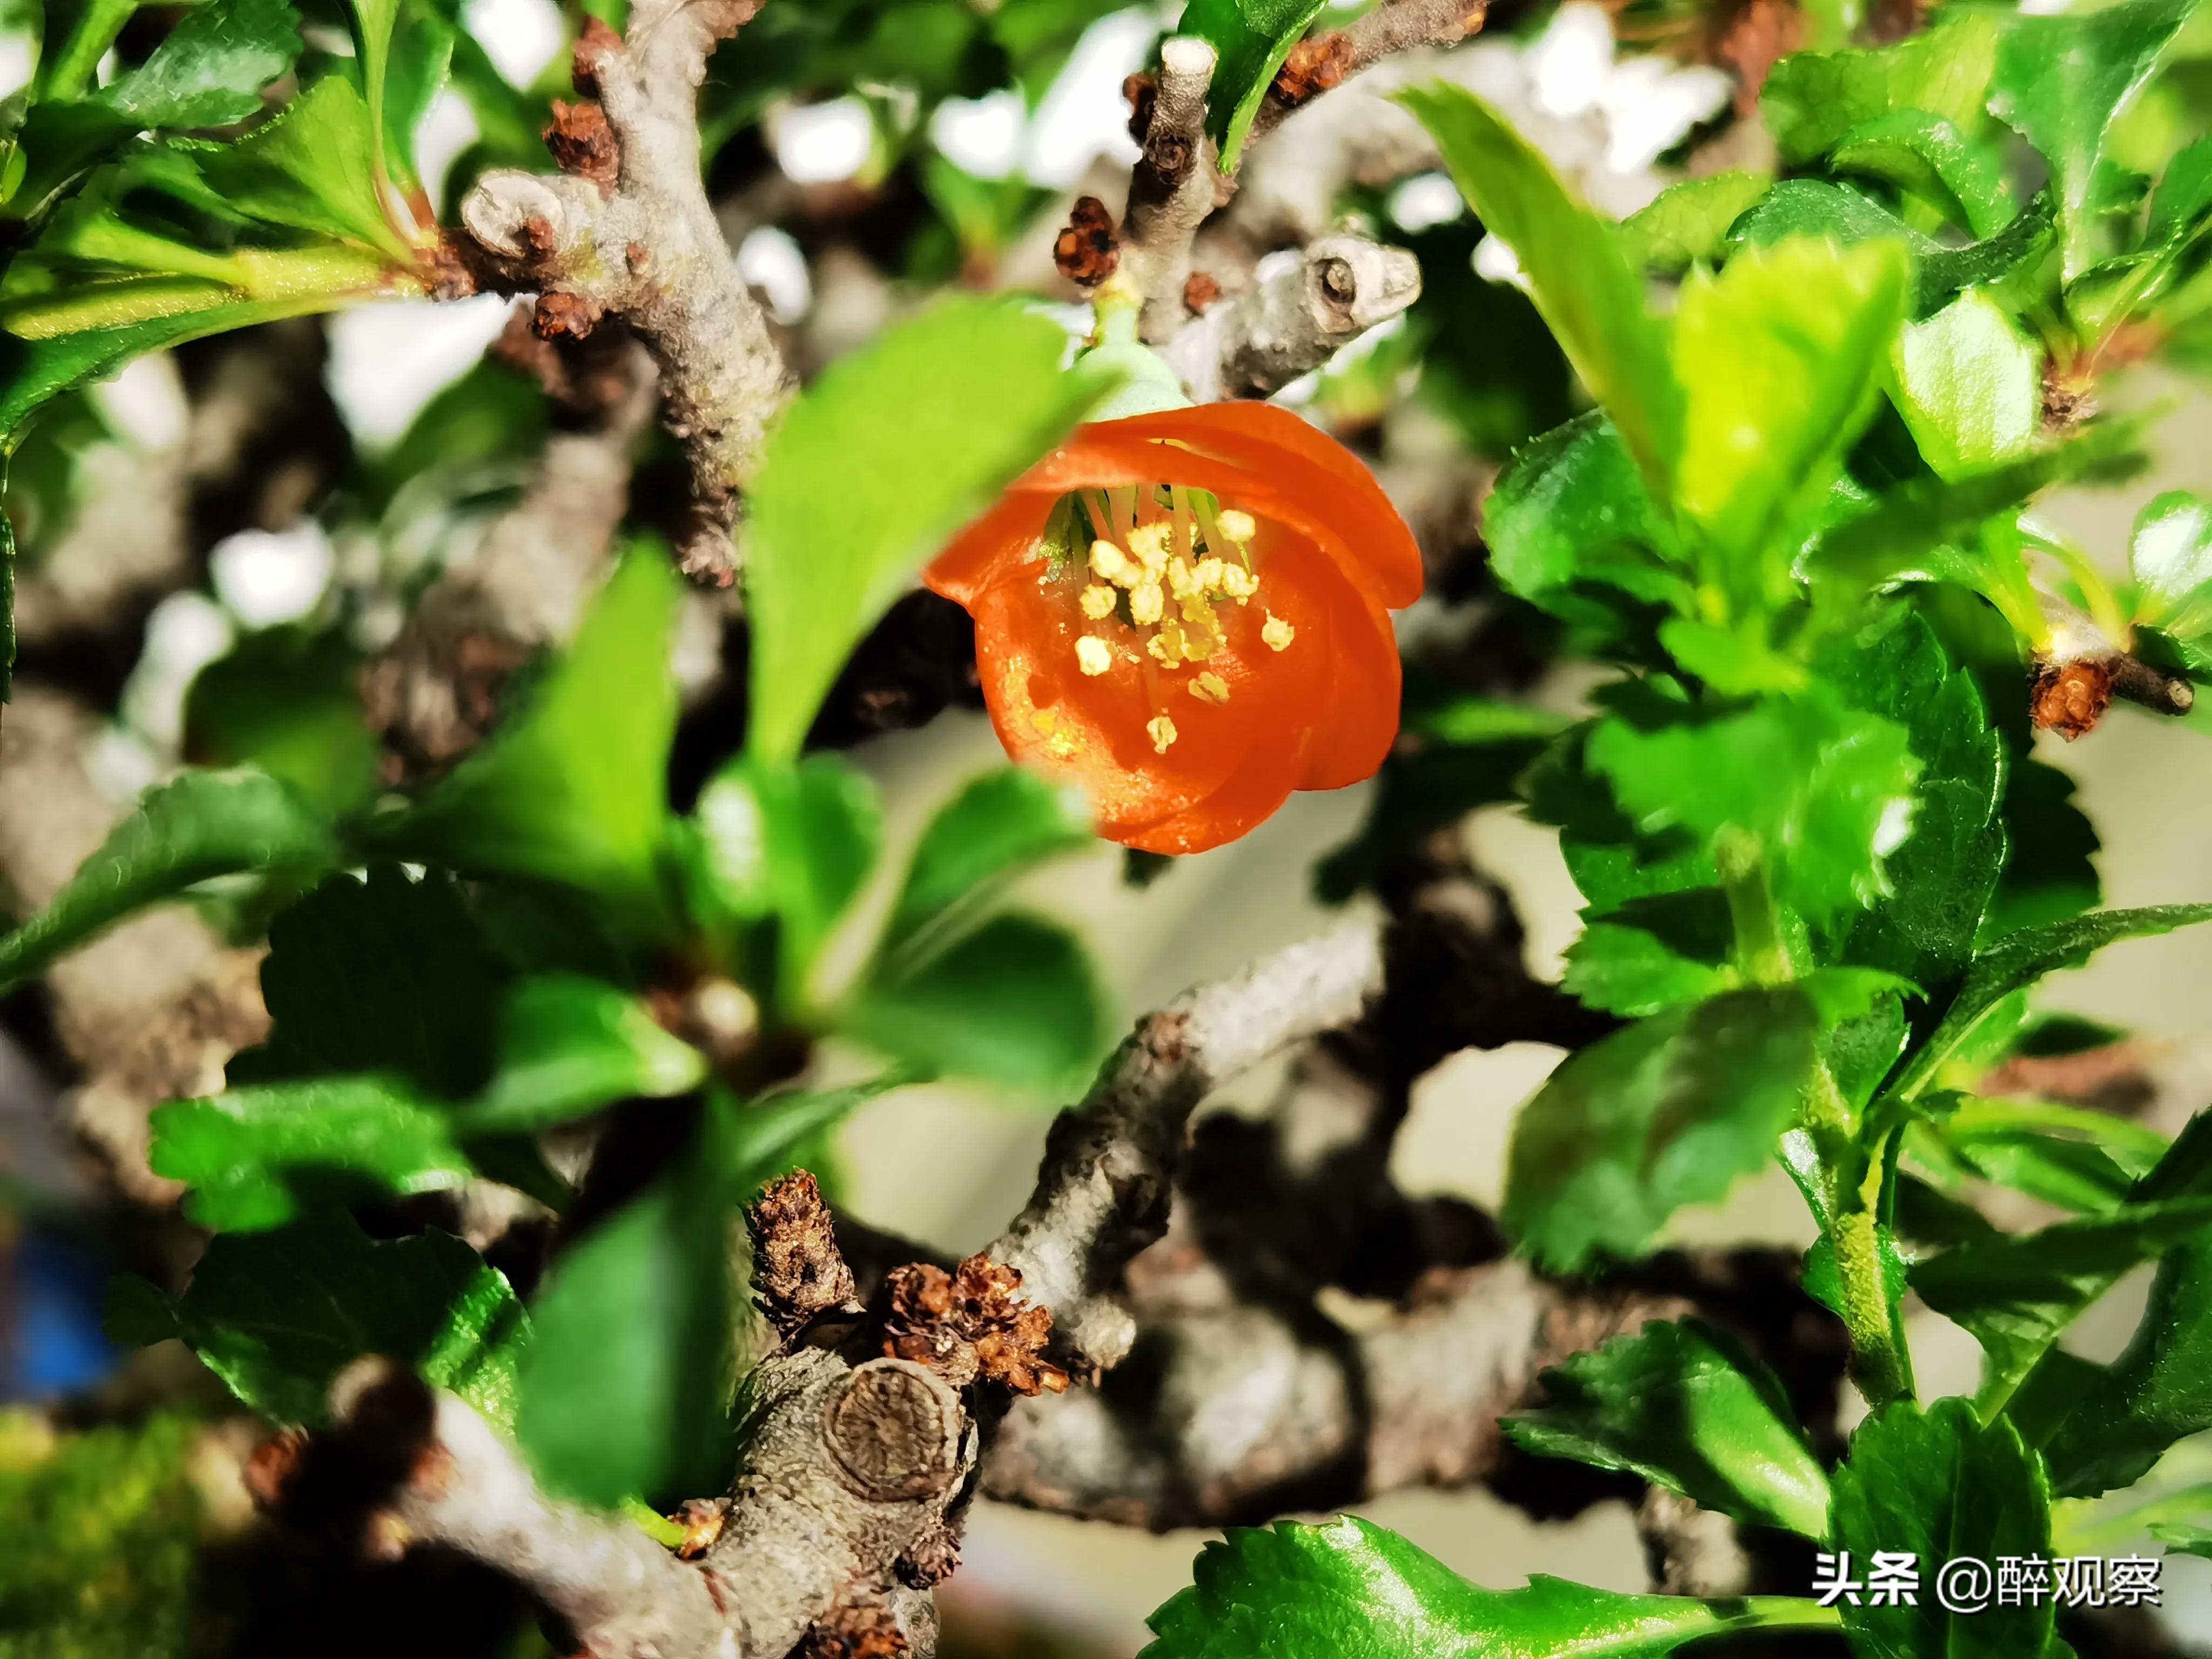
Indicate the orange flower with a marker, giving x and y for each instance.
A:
(1187, 613)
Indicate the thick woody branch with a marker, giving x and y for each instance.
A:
(1102, 1194)
(1173, 186)
(1245, 1410)
(1323, 61)
(626, 230)
(1255, 344)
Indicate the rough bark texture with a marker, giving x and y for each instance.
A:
(1293, 321)
(632, 234)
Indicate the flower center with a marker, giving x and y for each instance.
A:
(1163, 561)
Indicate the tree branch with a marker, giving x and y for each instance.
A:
(1173, 187)
(1102, 1194)
(1255, 344)
(626, 230)
(1324, 61)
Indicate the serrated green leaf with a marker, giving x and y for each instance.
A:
(2062, 80)
(884, 458)
(1014, 1000)
(793, 843)
(209, 71)
(312, 168)
(1250, 39)
(1002, 824)
(1568, 509)
(1943, 877)
(1681, 1404)
(1969, 385)
(277, 1315)
(1687, 222)
(1929, 157)
(2020, 959)
(1669, 1112)
(1352, 1590)
(1813, 100)
(1778, 357)
(202, 824)
(573, 788)
(286, 701)
(260, 1157)
(385, 975)
(1815, 207)
(1823, 787)
(1939, 1486)
(1579, 273)
(1654, 952)
(569, 1045)
(2017, 1292)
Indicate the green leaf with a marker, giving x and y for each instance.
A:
(2016, 1293)
(790, 841)
(1944, 878)
(260, 1157)
(1970, 386)
(202, 824)
(1927, 157)
(2062, 80)
(1938, 1484)
(1813, 100)
(1351, 1591)
(287, 702)
(385, 975)
(1570, 508)
(1687, 222)
(312, 168)
(872, 470)
(624, 1389)
(2183, 197)
(1669, 1112)
(2020, 959)
(277, 1315)
(1654, 952)
(7, 617)
(1815, 207)
(1682, 1405)
(1013, 1000)
(573, 788)
(1578, 272)
(1003, 823)
(1251, 39)
(2169, 556)
(2157, 1391)
(1778, 358)
(569, 1045)
(1823, 787)
(209, 71)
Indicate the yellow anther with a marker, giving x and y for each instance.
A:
(1149, 541)
(1211, 575)
(1045, 721)
(1210, 688)
(1237, 526)
(1097, 602)
(1146, 605)
(1166, 646)
(1093, 655)
(1109, 563)
(1162, 731)
(1238, 583)
(1275, 634)
(1183, 580)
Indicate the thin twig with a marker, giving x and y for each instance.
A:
(1172, 188)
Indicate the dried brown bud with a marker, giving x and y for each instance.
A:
(970, 1324)
(1142, 94)
(797, 1272)
(2069, 698)
(859, 1629)
(1087, 252)
(565, 316)
(1315, 65)
(702, 1520)
(594, 45)
(1199, 290)
(583, 143)
(271, 1467)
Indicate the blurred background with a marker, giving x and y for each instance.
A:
(313, 473)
